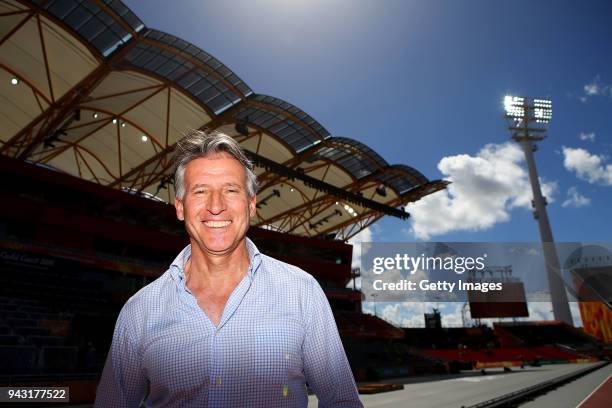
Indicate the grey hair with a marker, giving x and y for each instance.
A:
(197, 144)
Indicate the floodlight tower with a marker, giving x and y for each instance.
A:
(528, 120)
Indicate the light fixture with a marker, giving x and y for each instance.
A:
(292, 189)
(542, 110)
(264, 201)
(325, 219)
(144, 138)
(242, 127)
(115, 121)
(528, 109)
(514, 107)
(381, 191)
(14, 81)
(123, 124)
(95, 115)
(163, 183)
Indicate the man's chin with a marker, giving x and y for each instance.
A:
(219, 248)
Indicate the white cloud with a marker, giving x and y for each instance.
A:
(595, 88)
(540, 311)
(405, 314)
(592, 88)
(451, 315)
(543, 311)
(484, 188)
(587, 166)
(587, 136)
(575, 199)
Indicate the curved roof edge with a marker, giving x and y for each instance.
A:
(356, 158)
(107, 26)
(204, 57)
(282, 119)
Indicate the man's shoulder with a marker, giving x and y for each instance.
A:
(283, 270)
(286, 277)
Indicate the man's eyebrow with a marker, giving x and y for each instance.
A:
(199, 185)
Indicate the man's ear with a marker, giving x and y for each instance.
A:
(178, 206)
(252, 205)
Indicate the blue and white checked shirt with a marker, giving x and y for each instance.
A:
(277, 332)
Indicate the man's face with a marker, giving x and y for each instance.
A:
(216, 207)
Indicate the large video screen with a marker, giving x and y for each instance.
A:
(508, 302)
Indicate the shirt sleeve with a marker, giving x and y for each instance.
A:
(123, 383)
(326, 367)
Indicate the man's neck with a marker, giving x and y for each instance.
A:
(216, 271)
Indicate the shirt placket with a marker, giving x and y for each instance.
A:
(216, 376)
(218, 381)
(209, 370)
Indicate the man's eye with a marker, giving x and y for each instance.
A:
(198, 192)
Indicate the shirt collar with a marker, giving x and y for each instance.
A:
(177, 267)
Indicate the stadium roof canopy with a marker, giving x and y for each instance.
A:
(89, 90)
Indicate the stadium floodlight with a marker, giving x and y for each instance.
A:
(528, 119)
(514, 107)
(542, 110)
(527, 109)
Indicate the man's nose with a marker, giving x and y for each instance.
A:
(216, 203)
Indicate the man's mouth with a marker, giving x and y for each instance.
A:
(217, 224)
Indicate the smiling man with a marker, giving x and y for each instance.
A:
(225, 326)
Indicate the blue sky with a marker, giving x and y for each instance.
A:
(422, 83)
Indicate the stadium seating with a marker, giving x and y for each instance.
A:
(364, 325)
(535, 334)
(11, 340)
(42, 341)
(58, 359)
(38, 315)
(18, 359)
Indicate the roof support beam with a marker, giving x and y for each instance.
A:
(325, 187)
(25, 141)
(106, 121)
(8, 35)
(347, 233)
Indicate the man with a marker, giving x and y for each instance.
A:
(225, 326)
